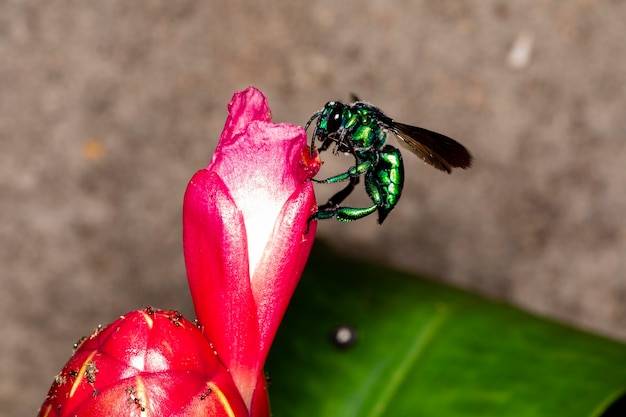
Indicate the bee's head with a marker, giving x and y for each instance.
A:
(329, 121)
(331, 118)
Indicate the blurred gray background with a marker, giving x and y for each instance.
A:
(108, 108)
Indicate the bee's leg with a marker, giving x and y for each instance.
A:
(331, 209)
(353, 175)
(341, 195)
(355, 171)
(348, 214)
(343, 214)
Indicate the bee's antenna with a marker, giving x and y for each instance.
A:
(306, 128)
(315, 116)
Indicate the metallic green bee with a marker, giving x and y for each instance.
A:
(360, 129)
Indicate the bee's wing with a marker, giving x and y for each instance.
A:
(438, 150)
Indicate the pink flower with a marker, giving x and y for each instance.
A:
(146, 363)
(244, 223)
(245, 219)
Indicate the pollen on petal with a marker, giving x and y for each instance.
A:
(82, 373)
(148, 319)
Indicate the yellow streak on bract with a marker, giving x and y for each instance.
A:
(81, 373)
(147, 318)
(46, 413)
(142, 396)
(221, 399)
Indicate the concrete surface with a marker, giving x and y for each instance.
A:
(108, 108)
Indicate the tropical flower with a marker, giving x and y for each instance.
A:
(147, 363)
(247, 237)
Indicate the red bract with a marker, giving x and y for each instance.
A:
(147, 363)
(245, 221)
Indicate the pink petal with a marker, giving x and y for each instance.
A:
(218, 272)
(262, 167)
(282, 263)
(244, 220)
(244, 107)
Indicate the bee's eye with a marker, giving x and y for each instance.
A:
(334, 120)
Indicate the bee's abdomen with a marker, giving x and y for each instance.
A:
(388, 178)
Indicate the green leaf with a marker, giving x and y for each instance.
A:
(425, 349)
